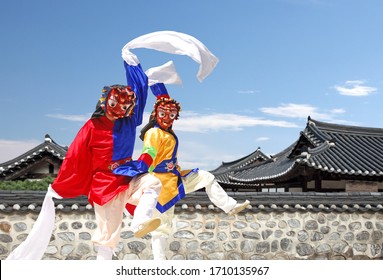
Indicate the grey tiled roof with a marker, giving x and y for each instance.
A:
(351, 152)
(31, 201)
(47, 148)
(223, 171)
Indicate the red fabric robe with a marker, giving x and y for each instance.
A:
(86, 169)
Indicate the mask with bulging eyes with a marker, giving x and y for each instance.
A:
(166, 113)
(120, 102)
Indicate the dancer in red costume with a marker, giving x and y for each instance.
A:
(102, 144)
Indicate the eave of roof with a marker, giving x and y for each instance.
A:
(241, 162)
(48, 146)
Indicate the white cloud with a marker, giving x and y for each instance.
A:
(355, 88)
(9, 149)
(246, 91)
(73, 118)
(338, 111)
(195, 122)
(292, 110)
(262, 139)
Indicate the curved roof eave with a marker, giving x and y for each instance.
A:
(48, 145)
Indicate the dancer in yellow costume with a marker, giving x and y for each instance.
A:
(159, 156)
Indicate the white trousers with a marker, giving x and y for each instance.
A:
(192, 183)
(143, 191)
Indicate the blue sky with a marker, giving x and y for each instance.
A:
(280, 61)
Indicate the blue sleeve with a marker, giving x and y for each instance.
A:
(159, 90)
(138, 81)
(131, 168)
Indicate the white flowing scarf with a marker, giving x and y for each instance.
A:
(35, 245)
(174, 43)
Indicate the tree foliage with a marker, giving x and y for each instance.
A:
(27, 185)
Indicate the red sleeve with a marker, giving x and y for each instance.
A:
(75, 175)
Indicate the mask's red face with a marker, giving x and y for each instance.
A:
(166, 113)
(119, 103)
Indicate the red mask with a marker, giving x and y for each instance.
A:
(119, 103)
(166, 113)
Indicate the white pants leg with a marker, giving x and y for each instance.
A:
(144, 209)
(161, 234)
(104, 253)
(159, 243)
(109, 218)
(147, 188)
(219, 197)
(216, 194)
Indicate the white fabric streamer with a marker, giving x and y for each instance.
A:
(35, 245)
(165, 73)
(175, 43)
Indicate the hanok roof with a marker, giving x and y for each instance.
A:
(49, 149)
(222, 172)
(340, 151)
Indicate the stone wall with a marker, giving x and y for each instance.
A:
(210, 234)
